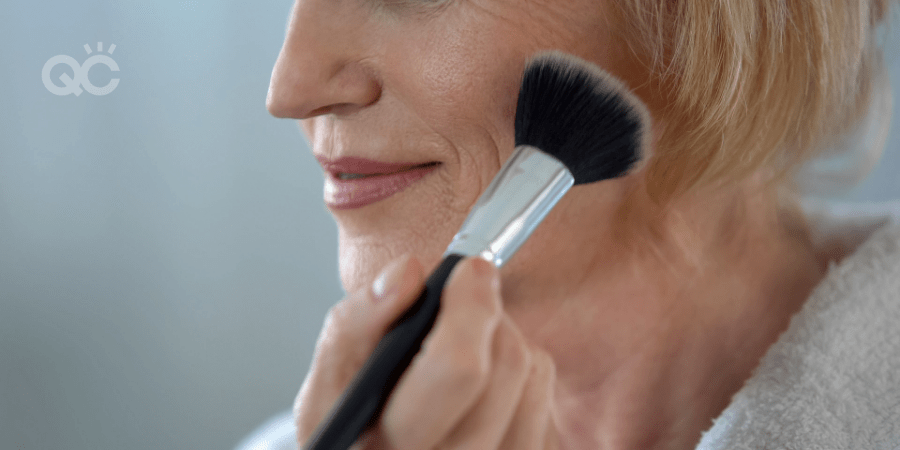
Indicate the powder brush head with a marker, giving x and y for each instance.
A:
(583, 116)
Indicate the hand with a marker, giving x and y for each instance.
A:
(475, 384)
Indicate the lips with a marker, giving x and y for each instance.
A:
(352, 182)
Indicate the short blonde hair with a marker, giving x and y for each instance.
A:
(752, 84)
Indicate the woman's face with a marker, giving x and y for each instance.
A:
(415, 82)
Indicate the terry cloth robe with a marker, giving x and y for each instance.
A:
(832, 380)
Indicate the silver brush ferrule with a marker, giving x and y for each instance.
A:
(517, 200)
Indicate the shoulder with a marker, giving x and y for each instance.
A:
(831, 379)
(277, 433)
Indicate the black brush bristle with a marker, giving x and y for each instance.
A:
(575, 111)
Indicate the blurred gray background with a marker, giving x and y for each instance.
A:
(165, 257)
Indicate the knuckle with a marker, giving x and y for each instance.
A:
(340, 348)
(460, 369)
(401, 432)
(471, 369)
(544, 367)
(489, 300)
(473, 287)
(337, 315)
(514, 352)
(464, 354)
(336, 327)
(403, 428)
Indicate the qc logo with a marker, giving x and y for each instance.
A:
(75, 85)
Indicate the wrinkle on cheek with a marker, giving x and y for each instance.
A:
(452, 209)
(493, 8)
(473, 94)
(458, 167)
(534, 22)
(471, 174)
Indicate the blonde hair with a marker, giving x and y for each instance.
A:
(752, 84)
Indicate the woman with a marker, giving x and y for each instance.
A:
(642, 305)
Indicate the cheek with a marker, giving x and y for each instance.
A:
(463, 80)
(308, 128)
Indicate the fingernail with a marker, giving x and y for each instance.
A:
(390, 277)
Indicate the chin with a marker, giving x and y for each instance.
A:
(413, 223)
(359, 264)
(362, 257)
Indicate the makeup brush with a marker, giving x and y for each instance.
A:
(575, 124)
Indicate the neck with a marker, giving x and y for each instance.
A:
(653, 332)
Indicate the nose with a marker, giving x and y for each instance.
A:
(325, 65)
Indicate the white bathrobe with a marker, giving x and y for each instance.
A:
(832, 380)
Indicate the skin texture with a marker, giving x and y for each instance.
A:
(601, 334)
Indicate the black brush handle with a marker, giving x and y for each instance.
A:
(362, 401)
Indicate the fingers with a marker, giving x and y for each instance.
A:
(532, 425)
(362, 318)
(484, 427)
(352, 329)
(450, 373)
(354, 325)
(475, 384)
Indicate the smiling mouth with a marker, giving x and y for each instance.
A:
(356, 176)
(355, 183)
